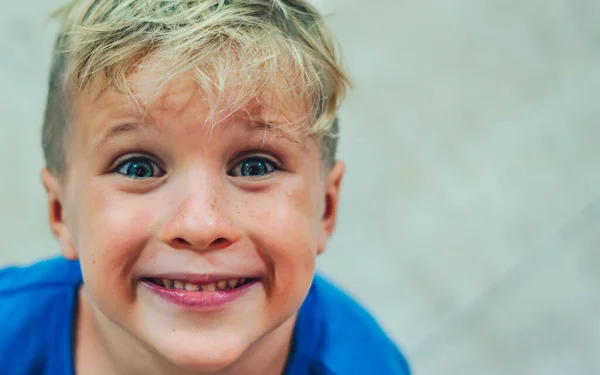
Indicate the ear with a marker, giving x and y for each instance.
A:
(56, 217)
(330, 208)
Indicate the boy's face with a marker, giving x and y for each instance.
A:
(160, 195)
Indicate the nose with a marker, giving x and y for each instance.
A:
(199, 220)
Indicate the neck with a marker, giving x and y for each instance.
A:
(104, 348)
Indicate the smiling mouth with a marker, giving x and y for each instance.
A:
(220, 285)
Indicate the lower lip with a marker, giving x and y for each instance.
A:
(200, 300)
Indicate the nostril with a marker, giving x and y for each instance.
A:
(181, 241)
(219, 241)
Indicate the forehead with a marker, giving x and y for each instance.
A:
(151, 91)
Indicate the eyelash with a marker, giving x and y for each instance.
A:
(271, 165)
(156, 169)
(268, 165)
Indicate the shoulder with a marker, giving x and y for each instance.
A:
(50, 273)
(36, 290)
(350, 339)
(37, 305)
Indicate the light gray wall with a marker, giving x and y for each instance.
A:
(470, 217)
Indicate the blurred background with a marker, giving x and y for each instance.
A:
(470, 217)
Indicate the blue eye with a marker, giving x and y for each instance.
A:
(139, 168)
(253, 167)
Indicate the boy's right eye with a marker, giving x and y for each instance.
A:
(139, 167)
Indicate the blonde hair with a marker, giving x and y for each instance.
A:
(264, 40)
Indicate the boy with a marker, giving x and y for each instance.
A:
(191, 182)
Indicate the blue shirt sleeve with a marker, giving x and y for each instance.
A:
(336, 336)
(37, 308)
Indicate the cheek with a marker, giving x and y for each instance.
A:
(284, 226)
(112, 230)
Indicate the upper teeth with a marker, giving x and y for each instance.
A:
(211, 287)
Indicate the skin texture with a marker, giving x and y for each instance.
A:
(196, 214)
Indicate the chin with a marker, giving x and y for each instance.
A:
(203, 355)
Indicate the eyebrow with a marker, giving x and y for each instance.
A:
(115, 131)
(284, 131)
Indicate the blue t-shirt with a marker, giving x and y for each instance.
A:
(333, 334)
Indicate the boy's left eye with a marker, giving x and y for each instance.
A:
(255, 166)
